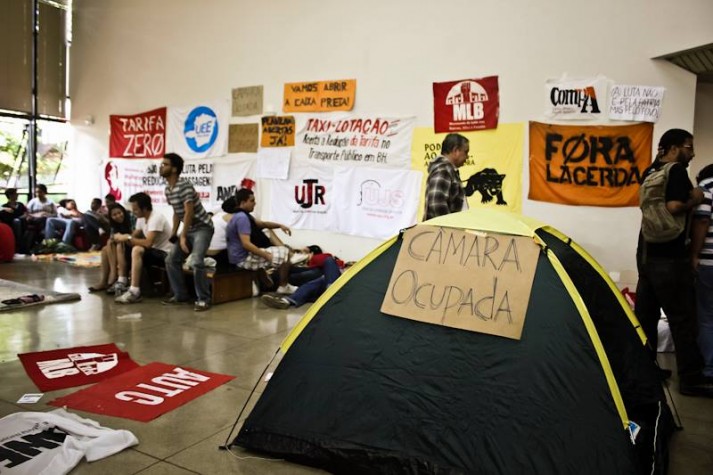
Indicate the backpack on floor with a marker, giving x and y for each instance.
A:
(657, 223)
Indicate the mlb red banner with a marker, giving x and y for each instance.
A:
(469, 104)
(138, 136)
(144, 393)
(71, 367)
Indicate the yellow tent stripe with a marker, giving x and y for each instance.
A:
(589, 325)
(333, 289)
(622, 301)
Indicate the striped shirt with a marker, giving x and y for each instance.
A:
(182, 193)
(704, 210)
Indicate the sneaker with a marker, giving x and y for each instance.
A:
(128, 297)
(275, 302)
(298, 258)
(256, 290)
(700, 387)
(117, 288)
(287, 289)
(201, 306)
(174, 301)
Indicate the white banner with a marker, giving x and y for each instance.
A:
(343, 139)
(635, 103)
(124, 177)
(576, 99)
(304, 200)
(198, 131)
(375, 203)
(229, 176)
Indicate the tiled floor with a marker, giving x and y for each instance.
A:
(237, 338)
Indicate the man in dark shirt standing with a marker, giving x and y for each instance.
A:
(665, 274)
(444, 189)
(195, 235)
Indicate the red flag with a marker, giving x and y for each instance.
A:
(469, 104)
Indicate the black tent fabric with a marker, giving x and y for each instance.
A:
(363, 392)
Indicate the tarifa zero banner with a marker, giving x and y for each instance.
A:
(469, 104)
(492, 174)
(138, 136)
(593, 165)
(374, 141)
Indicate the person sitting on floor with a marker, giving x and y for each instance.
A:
(149, 244)
(114, 254)
(246, 249)
(94, 220)
(308, 292)
(68, 220)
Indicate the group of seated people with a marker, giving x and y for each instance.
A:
(240, 241)
(43, 219)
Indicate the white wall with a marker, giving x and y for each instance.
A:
(703, 128)
(133, 55)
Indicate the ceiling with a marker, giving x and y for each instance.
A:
(699, 61)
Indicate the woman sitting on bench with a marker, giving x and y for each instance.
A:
(115, 255)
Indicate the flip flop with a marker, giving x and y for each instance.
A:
(97, 288)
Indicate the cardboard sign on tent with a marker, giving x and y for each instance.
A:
(359, 391)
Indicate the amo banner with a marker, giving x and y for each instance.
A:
(139, 135)
(593, 165)
(470, 104)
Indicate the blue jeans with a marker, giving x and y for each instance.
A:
(198, 241)
(68, 225)
(704, 289)
(311, 291)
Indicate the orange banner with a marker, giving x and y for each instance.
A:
(278, 131)
(594, 165)
(320, 96)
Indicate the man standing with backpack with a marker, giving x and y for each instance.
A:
(666, 278)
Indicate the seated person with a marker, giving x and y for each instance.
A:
(246, 246)
(13, 214)
(218, 247)
(94, 220)
(68, 220)
(114, 254)
(149, 244)
(308, 292)
(39, 209)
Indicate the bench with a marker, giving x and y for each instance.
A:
(225, 286)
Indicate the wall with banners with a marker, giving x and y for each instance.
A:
(125, 62)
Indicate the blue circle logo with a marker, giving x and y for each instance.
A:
(201, 129)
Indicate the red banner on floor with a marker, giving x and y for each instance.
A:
(470, 104)
(144, 393)
(71, 367)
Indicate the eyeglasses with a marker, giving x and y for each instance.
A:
(690, 147)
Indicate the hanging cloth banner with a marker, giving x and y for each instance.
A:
(576, 99)
(123, 178)
(492, 174)
(230, 175)
(373, 141)
(199, 131)
(319, 96)
(305, 199)
(374, 202)
(593, 165)
(469, 104)
(138, 136)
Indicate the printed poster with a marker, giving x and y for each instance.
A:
(139, 135)
(340, 139)
(198, 131)
(465, 105)
(373, 202)
(576, 99)
(594, 165)
(319, 96)
(492, 174)
(305, 199)
(635, 103)
(247, 101)
(70, 367)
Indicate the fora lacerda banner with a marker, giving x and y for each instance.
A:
(592, 165)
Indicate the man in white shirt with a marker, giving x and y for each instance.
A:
(150, 244)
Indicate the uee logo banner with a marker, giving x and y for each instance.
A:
(71, 367)
(468, 104)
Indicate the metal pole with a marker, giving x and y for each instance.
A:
(32, 139)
